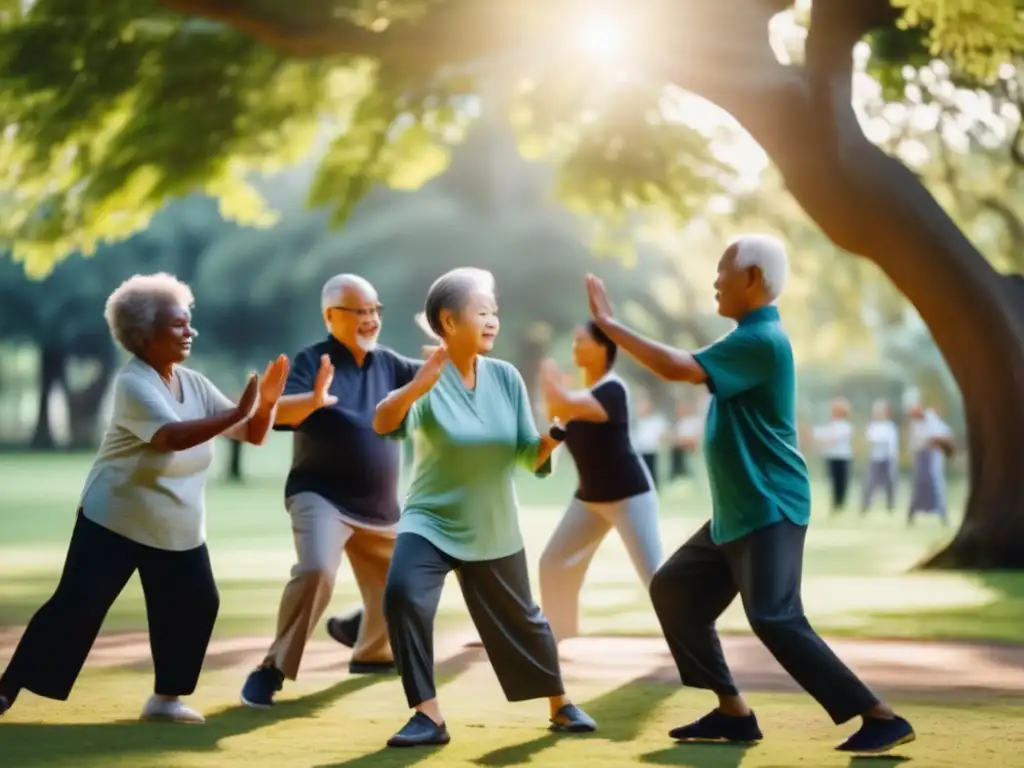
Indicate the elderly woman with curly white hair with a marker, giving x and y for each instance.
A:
(142, 506)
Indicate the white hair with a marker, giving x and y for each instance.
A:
(330, 294)
(133, 310)
(334, 287)
(768, 254)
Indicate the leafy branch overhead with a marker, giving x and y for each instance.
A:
(114, 107)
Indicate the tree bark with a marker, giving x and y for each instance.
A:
(51, 371)
(871, 205)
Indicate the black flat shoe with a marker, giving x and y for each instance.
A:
(572, 719)
(420, 731)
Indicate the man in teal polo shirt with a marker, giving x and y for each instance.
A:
(753, 545)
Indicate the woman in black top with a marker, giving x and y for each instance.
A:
(615, 489)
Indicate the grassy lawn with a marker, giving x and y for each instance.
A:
(856, 584)
(345, 723)
(856, 575)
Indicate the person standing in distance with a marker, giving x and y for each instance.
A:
(341, 492)
(472, 426)
(761, 504)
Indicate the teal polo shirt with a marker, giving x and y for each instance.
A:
(756, 471)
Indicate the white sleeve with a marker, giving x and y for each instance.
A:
(140, 407)
(215, 402)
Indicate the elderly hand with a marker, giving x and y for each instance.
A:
(600, 305)
(271, 384)
(430, 372)
(322, 396)
(552, 385)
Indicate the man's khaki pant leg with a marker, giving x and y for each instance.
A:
(320, 535)
(370, 553)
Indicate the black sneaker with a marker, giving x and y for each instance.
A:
(877, 735)
(345, 629)
(420, 731)
(718, 727)
(371, 667)
(260, 687)
(572, 719)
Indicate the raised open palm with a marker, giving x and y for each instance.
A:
(272, 382)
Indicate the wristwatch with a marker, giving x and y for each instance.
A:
(556, 431)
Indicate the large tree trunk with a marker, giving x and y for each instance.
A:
(51, 371)
(871, 205)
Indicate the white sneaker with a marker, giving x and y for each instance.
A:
(169, 711)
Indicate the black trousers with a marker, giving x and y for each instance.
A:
(680, 464)
(514, 632)
(839, 476)
(181, 607)
(651, 460)
(695, 586)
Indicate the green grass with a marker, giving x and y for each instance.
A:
(856, 583)
(323, 722)
(857, 579)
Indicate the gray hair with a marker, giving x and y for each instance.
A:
(335, 286)
(768, 254)
(452, 291)
(134, 308)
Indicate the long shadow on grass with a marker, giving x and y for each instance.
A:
(54, 745)
(444, 673)
(620, 714)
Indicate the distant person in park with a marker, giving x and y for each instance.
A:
(342, 490)
(649, 433)
(753, 546)
(614, 488)
(472, 425)
(930, 443)
(142, 507)
(883, 438)
(834, 439)
(686, 436)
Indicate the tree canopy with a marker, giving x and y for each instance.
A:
(113, 107)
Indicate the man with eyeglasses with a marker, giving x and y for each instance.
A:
(341, 492)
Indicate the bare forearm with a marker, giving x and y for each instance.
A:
(292, 410)
(547, 447)
(182, 435)
(660, 359)
(259, 425)
(579, 406)
(392, 410)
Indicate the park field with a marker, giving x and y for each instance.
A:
(858, 584)
(858, 574)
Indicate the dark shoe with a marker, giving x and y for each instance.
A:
(371, 667)
(718, 727)
(420, 731)
(572, 719)
(260, 687)
(877, 735)
(345, 629)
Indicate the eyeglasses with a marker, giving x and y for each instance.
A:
(365, 313)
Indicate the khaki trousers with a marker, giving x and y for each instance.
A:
(321, 534)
